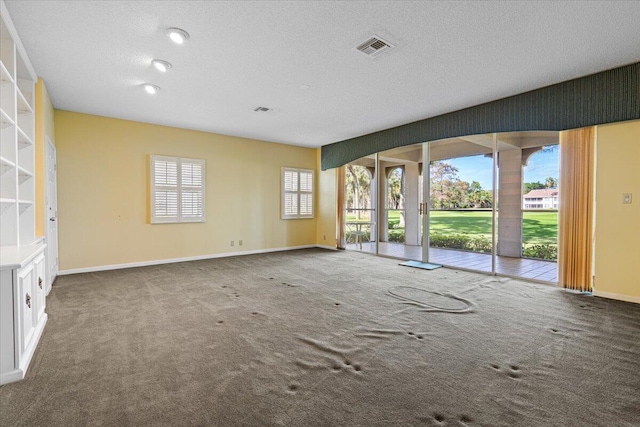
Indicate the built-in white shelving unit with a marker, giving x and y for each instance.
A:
(17, 151)
(22, 258)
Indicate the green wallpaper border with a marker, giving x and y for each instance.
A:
(605, 97)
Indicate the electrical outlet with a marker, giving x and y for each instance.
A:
(239, 242)
(233, 243)
(324, 237)
(626, 198)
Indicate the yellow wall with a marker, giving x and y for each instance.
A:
(326, 212)
(617, 245)
(102, 193)
(44, 129)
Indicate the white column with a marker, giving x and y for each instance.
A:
(411, 197)
(510, 203)
(383, 219)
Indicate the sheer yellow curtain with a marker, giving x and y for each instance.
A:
(341, 182)
(575, 216)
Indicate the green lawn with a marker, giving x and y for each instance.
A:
(537, 227)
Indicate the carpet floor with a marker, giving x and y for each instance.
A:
(323, 338)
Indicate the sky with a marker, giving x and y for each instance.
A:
(542, 165)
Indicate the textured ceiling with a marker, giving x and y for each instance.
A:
(94, 55)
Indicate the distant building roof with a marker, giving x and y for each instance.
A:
(551, 192)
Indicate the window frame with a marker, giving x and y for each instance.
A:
(179, 188)
(298, 193)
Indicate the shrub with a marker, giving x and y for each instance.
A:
(393, 223)
(546, 252)
(461, 242)
(481, 244)
(396, 236)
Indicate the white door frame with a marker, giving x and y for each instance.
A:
(52, 244)
(425, 208)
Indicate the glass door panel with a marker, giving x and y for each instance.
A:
(400, 221)
(527, 209)
(360, 205)
(461, 201)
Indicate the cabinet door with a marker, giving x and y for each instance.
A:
(25, 302)
(39, 288)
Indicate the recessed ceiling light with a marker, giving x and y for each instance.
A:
(161, 65)
(178, 35)
(150, 89)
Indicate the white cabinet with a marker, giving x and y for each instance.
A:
(22, 260)
(26, 306)
(39, 287)
(22, 308)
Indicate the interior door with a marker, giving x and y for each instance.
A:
(51, 212)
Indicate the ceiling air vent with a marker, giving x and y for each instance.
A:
(262, 109)
(374, 46)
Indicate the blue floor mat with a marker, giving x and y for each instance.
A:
(423, 265)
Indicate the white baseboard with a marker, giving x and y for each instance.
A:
(620, 297)
(11, 376)
(193, 258)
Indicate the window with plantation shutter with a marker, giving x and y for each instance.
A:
(177, 189)
(297, 193)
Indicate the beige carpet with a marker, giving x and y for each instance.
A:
(315, 338)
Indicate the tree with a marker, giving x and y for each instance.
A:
(443, 178)
(474, 194)
(485, 199)
(358, 188)
(551, 182)
(528, 186)
(395, 189)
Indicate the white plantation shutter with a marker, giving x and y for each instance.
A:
(306, 205)
(177, 189)
(306, 181)
(290, 180)
(306, 193)
(191, 204)
(297, 193)
(166, 172)
(166, 204)
(291, 204)
(192, 190)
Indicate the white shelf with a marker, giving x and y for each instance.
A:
(23, 105)
(5, 120)
(23, 174)
(6, 204)
(5, 76)
(17, 146)
(23, 140)
(24, 205)
(6, 165)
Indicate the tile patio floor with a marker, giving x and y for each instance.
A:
(519, 267)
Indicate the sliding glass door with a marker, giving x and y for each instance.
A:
(461, 201)
(400, 183)
(527, 209)
(360, 205)
(471, 202)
